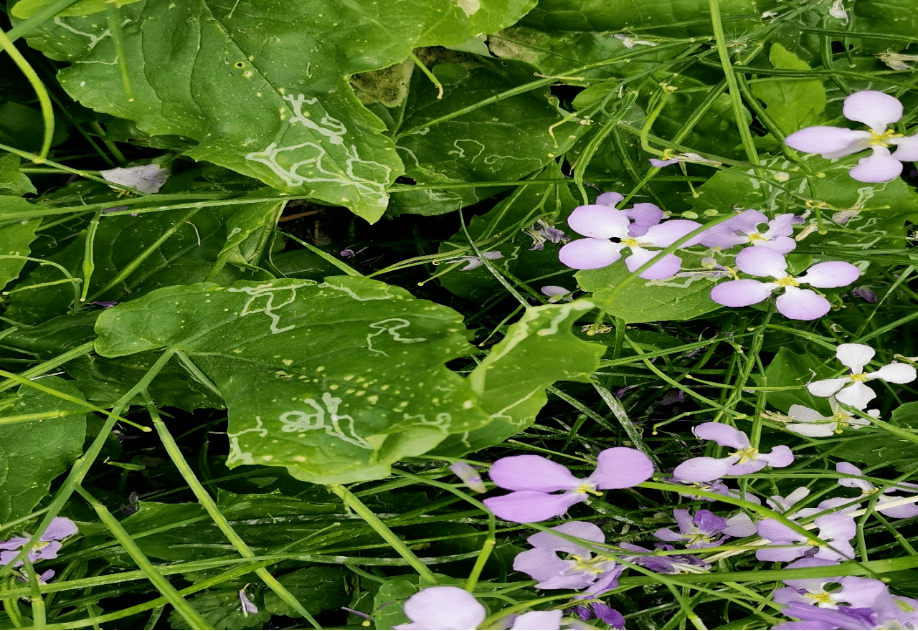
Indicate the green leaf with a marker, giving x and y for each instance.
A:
(793, 368)
(12, 179)
(537, 351)
(320, 588)
(37, 451)
(14, 242)
(27, 8)
(277, 105)
(793, 104)
(673, 299)
(223, 610)
(247, 228)
(503, 141)
(335, 380)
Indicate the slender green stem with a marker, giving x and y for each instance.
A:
(89, 262)
(352, 502)
(44, 367)
(39, 613)
(427, 73)
(47, 111)
(213, 510)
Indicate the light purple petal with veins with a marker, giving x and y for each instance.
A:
(621, 468)
(723, 435)
(876, 168)
(895, 373)
(532, 506)
(590, 253)
(741, 293)
(542, 564)
(532, 473)
(830, 274)
(779, 456)
(667, 267)
(802, 304)
(443, 607)
(610, 199)
(59, 528)
(781, 226)
(599, 222)
(702, 469)
(667, 534)
(762, 262)
(875, 109)
(739, 525)
(854, 356)
(907, 148)
(829, 142)
(665, 234)
(579, 529)
(857, 395)
(849, 469)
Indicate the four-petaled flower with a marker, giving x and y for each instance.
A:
(836, 529)
(851, 390)
(48, 544)
(744, 229)
(849, 591)
(535, 479)
(904, 511)
(746, 458)
(795, 303)
(809, 422)
(876, 110)
(704, 530)
(580, 569)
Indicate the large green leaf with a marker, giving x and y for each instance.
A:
(791, 103)
(34, 452)
(537, 351)
(14, 242)
(335, 380)
(13, 180)
(262, 88)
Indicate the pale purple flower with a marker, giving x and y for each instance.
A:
(795, 303)
(663, 564)
(713, 486)
(809, 422)
(447, 607)
(784, 504)
(739, 525)
(543, 232)
(668, 159)
(601, 611)
(472, 262)
(247, 605)
(854, 591)
(642, 215)
(745, 229)
(556, 293)
(876, 110)
(836, 529)
(899, 512)
(535, 479)
(578, 568)
(851, 390)
(47, 546)
(812, 617)
(703, 530)
(746, 459)
(865, 293)
(601, 223)
(147, 178)
(469, 475)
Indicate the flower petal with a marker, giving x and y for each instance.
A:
(907, 148)
(854, 356)
(532, 473)
(722, 434)
(542, 564)
(532, 506)
(445, 607)
(830, 274)
(667, 267)
(804, 414)
(609, 199)
(665, 234)
(644, 214)
(895, 373)
(579, 529)
(826, 387)
(621, 468)
(875, 109)
(878, 167)
(546, 620)
(822, 430)
(702, 469)
(741, 293)
(599, 221)
(857, 395)
(762, 262)
(590, 253)
(779, 456)
(59, 528)
(802, 304)
(829, 142)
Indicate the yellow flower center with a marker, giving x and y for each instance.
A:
(588, 565)
(755, 236)
(880, 140)
(823, 598)
(861, 376)
(745, 455)
(41, 545)
(586, 487)
(787, 281)
(631, 243)
(695, 537)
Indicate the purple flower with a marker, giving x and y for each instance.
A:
(903, 511)
(849, 591)
(535, 479)
(713, 486)
(668, 564)
(704, 530)
(865, 293)
(46, 547)
(642, 215)
(851, 390)
(744, 229)
(469, 475)
(836, 529)
(543, 232)
(578, 570)
(147, 178)
(876, 110)
(746, 459)
(682, 157)
(795, 303)
(446, 607)
(247, 605)
(812, 617)
(602, 611)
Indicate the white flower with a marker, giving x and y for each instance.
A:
(851, 390)
(876, 110)
(809, 422)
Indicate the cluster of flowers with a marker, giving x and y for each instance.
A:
(575, 555)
